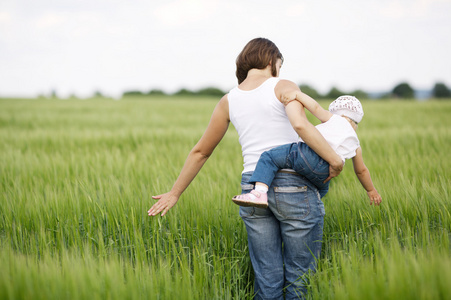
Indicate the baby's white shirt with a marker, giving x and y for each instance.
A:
(340, 135)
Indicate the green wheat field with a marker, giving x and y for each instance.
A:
(77, 176)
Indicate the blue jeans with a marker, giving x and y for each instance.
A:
(296, 156)
(285, 238)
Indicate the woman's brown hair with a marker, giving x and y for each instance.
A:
(257, 54)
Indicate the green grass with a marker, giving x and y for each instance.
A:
(76, 180)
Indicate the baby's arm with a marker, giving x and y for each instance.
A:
(363, 174)
(309, 103)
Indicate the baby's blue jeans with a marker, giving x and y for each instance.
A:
(297, 156)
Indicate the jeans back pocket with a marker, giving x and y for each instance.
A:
(292, 201)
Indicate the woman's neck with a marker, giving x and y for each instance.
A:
(255, 77)
(266, 72)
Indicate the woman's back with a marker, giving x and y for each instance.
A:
(260, 119)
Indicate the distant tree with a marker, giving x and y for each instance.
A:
(132, 93)
(184, 92)
(403, 90)
(334, 93)
(98, 94)
(440, 90)
(307, 89)
(53, 94)
(359, 94)
(156, 92)
(210, 91)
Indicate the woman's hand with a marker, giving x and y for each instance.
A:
(334, 171)
(165, 202)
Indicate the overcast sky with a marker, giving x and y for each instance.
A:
(80, 46)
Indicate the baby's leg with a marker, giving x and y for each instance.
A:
(267, 167)
(309, 164)
(270, 163)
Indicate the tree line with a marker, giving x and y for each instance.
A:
(402, 90)
(209, 91)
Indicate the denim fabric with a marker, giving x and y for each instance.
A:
(285, 238)
(296, 156)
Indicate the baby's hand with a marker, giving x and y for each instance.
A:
(374, 197)
(288, 97)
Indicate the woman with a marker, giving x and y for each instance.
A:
(294, 217)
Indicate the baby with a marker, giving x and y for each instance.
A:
(338, 127)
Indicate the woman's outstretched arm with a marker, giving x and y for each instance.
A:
(214, 133)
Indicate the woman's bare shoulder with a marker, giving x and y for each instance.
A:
(224, 100)
(223, 105)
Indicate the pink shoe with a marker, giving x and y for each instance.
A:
(261, 199)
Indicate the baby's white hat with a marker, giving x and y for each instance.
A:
(348, 106)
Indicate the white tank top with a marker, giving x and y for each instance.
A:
(261, 121)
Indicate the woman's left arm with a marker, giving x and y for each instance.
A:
(214, 133)
(309, 134)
